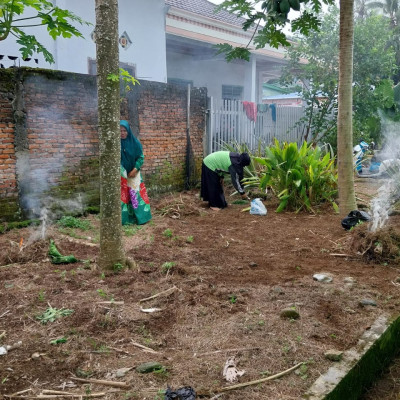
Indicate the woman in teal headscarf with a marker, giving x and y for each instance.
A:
(135, 203)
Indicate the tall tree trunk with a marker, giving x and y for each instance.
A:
(111, 247)
(347, 200)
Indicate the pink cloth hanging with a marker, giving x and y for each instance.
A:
(251, 110)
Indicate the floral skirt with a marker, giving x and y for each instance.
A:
(135, 205)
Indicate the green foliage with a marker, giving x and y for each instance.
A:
(301, 177)
(124, 76)
(59, 341)
(118, 267)
(189, 239)
(56, 20)
(374, 64)
(168, 233)
(72, 222)
(232, 299)
(131, 230)
(51, 314)
(57, 258)
(167, 266)
(41, 295)
(268, 19)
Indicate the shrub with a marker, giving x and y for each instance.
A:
(300, 177)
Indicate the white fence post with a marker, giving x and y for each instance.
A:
(229, 123)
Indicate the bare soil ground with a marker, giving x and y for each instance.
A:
(227, 276)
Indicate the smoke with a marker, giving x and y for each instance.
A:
(35, 183)
(389, 157)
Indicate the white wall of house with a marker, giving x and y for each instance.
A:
(143, 21)
(211, 73)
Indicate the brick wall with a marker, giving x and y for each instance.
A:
(8, 184)
(49, 139)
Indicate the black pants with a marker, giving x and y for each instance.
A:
(211, 188)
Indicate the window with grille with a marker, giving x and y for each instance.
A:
(232, 92)
(92, 67)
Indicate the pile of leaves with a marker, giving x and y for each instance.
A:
(382, 246)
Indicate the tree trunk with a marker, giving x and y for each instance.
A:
(347, 200)
(111, 247)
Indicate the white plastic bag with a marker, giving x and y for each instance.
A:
(257, 207)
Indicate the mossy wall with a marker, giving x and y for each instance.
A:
(365, 371)
(49, 139)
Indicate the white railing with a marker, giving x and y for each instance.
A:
(228, 123)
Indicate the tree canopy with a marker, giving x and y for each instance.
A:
(42, 13)
(268, 20)
(374, 64)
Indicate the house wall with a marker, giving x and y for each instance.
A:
(143, 21)
(211, 73)
(49, 138)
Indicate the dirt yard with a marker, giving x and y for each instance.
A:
(222, 280)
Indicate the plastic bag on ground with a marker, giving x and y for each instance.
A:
(257, 207)
(184, 393)
(354, 218)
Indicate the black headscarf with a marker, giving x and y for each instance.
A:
(239, 161)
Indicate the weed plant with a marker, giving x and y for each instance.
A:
(72, 222)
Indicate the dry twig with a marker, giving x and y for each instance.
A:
(164, 293)
(148, 349)
(103, 382)
(269, 378)
(4, 313)
(226, 351)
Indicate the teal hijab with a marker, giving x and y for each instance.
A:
(131, 148)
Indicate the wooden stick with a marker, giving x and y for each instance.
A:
(111, 302)
(340, 255)
(226, 351)
(103, 382)
(144, 347)
(18, 393)
(4, 313)
(2, 334)
(48, 391)
(269, 378)
(60, 396)
(121, 351)
(164, 293)
(217, 396)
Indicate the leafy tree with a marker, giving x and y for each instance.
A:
(268, 19)
(374, 64)
(391, 9)
(56, 20)
(268, 24)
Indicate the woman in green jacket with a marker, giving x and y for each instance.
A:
(135, 205)
(214, 166)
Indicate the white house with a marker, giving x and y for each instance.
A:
(165, 41)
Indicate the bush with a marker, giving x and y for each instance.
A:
(300, 177)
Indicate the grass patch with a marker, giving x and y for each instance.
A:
(72, 222)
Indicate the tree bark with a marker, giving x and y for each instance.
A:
(107, 56)
(347, 200)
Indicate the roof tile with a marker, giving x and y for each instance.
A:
(206, 8)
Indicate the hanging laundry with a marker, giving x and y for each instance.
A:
(273, 110)
(262, 107)
(251, 110)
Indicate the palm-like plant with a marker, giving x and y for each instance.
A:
(301, 177)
